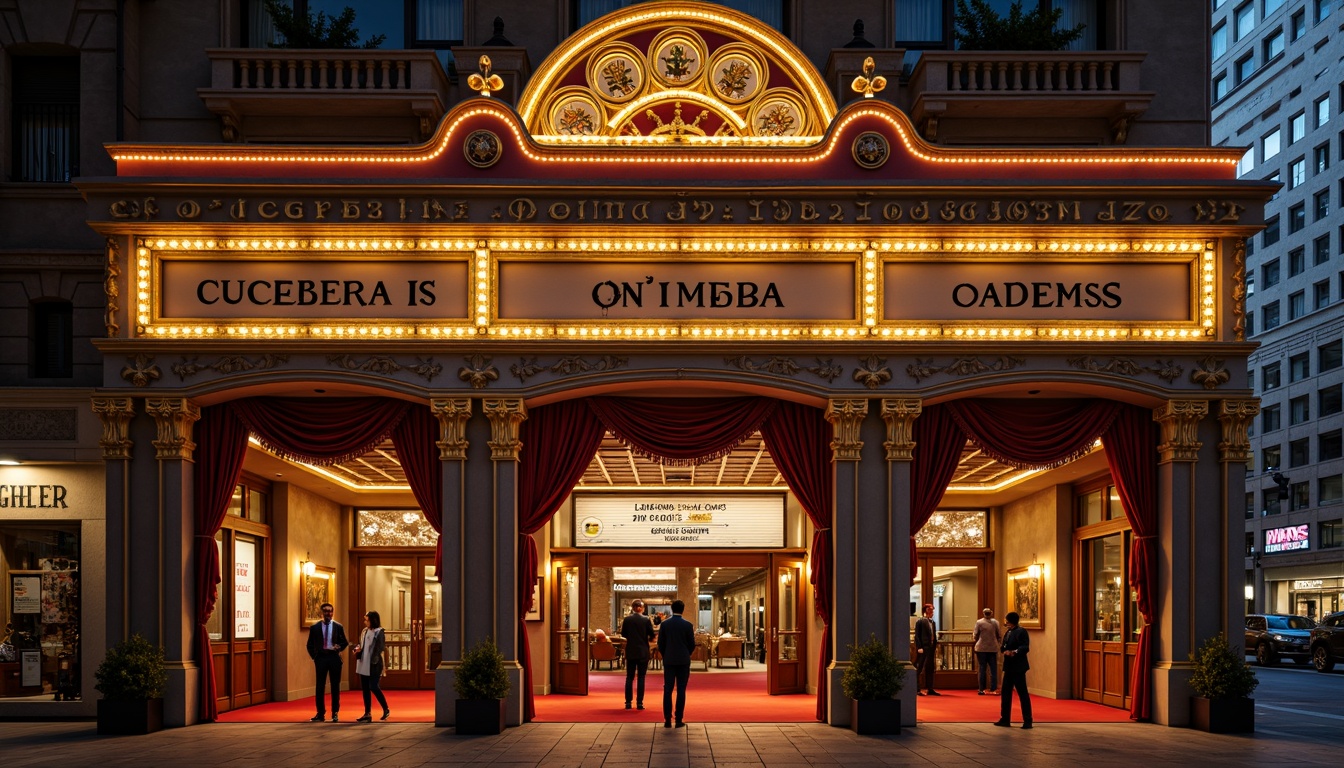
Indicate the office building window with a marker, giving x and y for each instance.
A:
(1328, 355)
(44, 114)
(1321, 158)
(1271, 458)
(1270, 271)
(1219, 40)
(1273, 44)
(1322, 9)
(1320, 250)
(1271, 6)
(1250, 318)
(1297, 218)
(1270, 377)
(1299, 496)
(1329, 490)
(928, 24)
(1247, 161)
(1250, 513)
(1298, 25)
(1320, 295)
(1271, 503)
(435, 24)
(1270, 315)
(1299, 367)
(1220, 87)
(51, 345)
(1330, 446)
(1297, 127)
(1297, 172)
(1331, 534)
(1330, 400)
(1321, 204)
(1297, 262)
(1322, 110)
(1297, 305)
(1270, 418)
(1269, 144)
(1299, 410)
(1245, 67)
(1244, 19)
(1299, 452)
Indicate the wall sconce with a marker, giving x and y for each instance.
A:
(1034, 570)
(308, 567)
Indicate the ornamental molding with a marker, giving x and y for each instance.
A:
(1236, 417)
(112, 287)
(174, 417)
(846, 417)
(506, 416)
(825, 370)
(424, 367)
(115, 413)
(1211, 373)
(1166, 370)
(141, 370)
(1239, 289)
(962, 366)
(452, 414)
(190, 366)
(1180, 420)
(32, 424)
(528, 367)
(478, 372)
(900, 415)
(873, 373)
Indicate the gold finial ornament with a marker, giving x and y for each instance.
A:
(485, 83)
(868, 83)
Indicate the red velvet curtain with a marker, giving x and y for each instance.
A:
(1030, 433)
(322, 431)
(559, 442)
(1131, 443)
(679, 430)
(221, 446)
(937, 453)
(416, 440)
(799, 441)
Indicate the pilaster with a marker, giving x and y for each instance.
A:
(506, 415)
(846, 418)
(1234, 451)
(899, 415)
(116, 413)
(453, 415)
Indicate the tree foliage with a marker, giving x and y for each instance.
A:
(873, 672)
(317, 31)
(981, 28)
(1220, 671)
(132, 670)
(481, 676)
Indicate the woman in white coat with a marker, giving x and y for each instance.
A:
(369, 664)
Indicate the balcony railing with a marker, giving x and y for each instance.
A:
(292, 94)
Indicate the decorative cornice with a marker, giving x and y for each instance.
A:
(115, 413)
(846, 416)
(1211, 373)
(141, 370)
(1180, 427)
(528, 367)
(452, 415)
(1236, 417)
(1239, 289)
(506, 415)
(873, 373)
(478, 372)
(1166, 370)
(962, 366)
(424, 367)
(900, 415)
(112, 288)
(826, 370)
(174, 417)
(189, 366)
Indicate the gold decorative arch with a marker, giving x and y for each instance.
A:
(690, 72)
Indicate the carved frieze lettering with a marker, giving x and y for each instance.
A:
(1236, 417)
(846, 417)
(452, 414)
(115, 413)
(900, 415)
(174, 417)
(506, 415)
(1180, 428)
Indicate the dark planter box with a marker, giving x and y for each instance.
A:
(1222, 715)
(129, 718)
(875, 717)
(479, 718)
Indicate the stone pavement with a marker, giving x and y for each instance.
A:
(392, 745)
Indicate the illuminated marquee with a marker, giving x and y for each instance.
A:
(1287, 539)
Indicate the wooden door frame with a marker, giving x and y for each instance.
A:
(983, 559)
(225, 651)
(414, 557)
(1082, 607)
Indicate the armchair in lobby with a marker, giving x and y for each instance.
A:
(730, 649)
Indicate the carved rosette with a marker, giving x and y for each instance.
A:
(506, 415)
(1180, 427)
(900, 416)
(846, 416)
(1236, 417)
(174, 417)
(452, 415)
(115, 413)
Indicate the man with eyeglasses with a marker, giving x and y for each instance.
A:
(326, 642)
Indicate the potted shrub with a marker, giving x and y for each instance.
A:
(131, 679)
(482, 685)
(872, 680)
(1222, 682)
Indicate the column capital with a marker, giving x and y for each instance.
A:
(1179, 420)
(1236, 417)
(506, 415)
(115, 413)
(846, 416)
(900, 415)
(174, 417)
(452, 414)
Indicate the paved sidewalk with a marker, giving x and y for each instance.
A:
(72, 745)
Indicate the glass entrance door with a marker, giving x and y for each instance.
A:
(408, 598)
(569, 608)
(787, 650)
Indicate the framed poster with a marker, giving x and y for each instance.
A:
(30, 668)
(535, 611)
(316, 589)
(1026, 595)
(25, 592)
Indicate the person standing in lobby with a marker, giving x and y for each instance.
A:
(638, 633)
(676, 643)
(926, 651)
(369, 665)
(326, 642)
(987, 638)
(1016, 644)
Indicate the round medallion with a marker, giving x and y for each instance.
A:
(677, 58)
(778, 113)
(482, 148)
(737, 74)
(573, 112)
(616, 73)
(871, 150)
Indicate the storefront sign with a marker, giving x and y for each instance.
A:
(644, 587)
(33, 497)
(717, 290)
(244, 586)
(647, 521)
(1308, 584)
(313, 288)
(1287, 539)
(1001, 290)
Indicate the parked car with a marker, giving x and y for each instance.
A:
(1275, 635)
(1327, 642)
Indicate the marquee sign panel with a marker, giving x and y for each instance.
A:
(663, 519)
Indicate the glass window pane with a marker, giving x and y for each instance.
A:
(393, 528)
(1107, 578)
(954, 528)
(247, 609)
(919, 21)
(41, 611)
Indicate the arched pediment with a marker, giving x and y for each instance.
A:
(684, 71)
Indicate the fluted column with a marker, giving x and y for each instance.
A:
(846, 418)
(116, 413)
(899, 414)
(1234, 451)
(453, 415)
(506, 415)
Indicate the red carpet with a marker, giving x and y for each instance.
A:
(406, 706)
(968, 707)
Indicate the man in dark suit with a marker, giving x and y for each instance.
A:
(926, 651)
(638, 633)
(326, 641)
(1016, 644)
(676, 642)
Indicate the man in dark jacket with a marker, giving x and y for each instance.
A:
(326, 641)
(676, 642)
(926, 651)
(1016, 644)
(638, 633)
